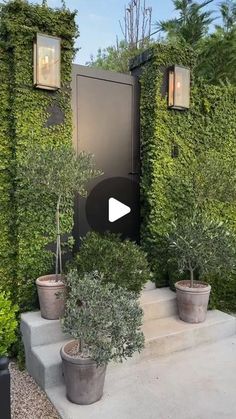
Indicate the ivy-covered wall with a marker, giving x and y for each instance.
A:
(6, 186)
(210, 124)
(28, 117)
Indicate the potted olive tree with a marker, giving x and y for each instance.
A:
(59, 172)
(199, 247)
(122, 262)
(104, 322)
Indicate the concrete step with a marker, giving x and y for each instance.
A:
(38, 331)
(168, 335)
(163, 336)
(44, 364)
(158, 303)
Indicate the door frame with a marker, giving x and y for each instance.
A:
(120, 78)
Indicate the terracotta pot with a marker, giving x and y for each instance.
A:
(51, 295)
(84, 379)
(192, 302)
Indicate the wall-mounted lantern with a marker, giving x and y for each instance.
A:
(179, 88)
(47, 62)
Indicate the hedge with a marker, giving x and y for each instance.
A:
(210, 124)
(27, 221)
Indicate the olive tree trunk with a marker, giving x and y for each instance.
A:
(58, 251)
(191, 277)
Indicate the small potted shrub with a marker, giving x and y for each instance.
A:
(199, 247)
(122, 262)
(59, 172)
(104, 322)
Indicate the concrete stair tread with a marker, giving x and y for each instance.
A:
(158, 303)
(38, 331)
(49, 354)
(157, 295)
(35, 319)
(158, 328)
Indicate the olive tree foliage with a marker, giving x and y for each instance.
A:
(56, 170)
(202, 246)
(105, 320)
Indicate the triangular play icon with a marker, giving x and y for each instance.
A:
(117, 210)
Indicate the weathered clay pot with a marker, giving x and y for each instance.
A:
(83, 378)
(192, 302)
(51, 295)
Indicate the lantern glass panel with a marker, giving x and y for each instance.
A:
(182, 88)
(171, 88)
(47, 62)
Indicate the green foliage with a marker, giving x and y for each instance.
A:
(215, 49)
(217, 58)
(64, 174)
(117, 58)
(121, 262)
(207, 129)
(191, 25)
(201, 246)
(8, 323)
(228, 13)
(27, 220)
(106, 320)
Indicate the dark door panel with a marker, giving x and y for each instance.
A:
(105, 125)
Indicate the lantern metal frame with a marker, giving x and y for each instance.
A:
(38, 82)
(172, 87)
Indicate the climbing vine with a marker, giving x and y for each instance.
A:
(209, 125)
(27, 117)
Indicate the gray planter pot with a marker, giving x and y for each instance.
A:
(83, 378)
(51, 296)
(5, 392)
(192, 302)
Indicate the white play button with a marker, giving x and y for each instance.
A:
(117, 210)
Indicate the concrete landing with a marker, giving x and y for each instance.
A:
(196, 384)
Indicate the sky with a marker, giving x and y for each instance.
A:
(98, 21)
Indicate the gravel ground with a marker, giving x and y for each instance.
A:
(28, 401)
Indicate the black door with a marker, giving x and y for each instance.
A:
(105, 114)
